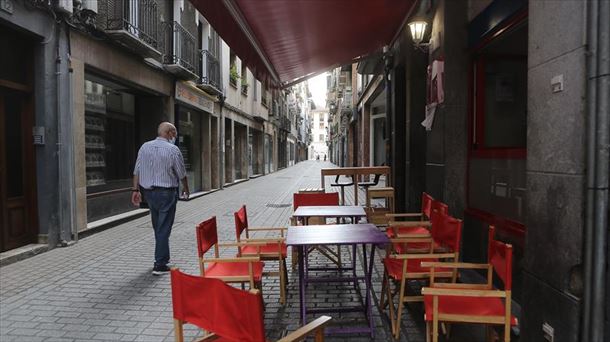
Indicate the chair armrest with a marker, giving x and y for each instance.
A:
(264, 241)
(433, 291)
(239, 259)
(409, 224)
(422, 256)
(261, 229)
(416, 237)
(455, 265)
(404, 215)
(308, 329)
(243, 243)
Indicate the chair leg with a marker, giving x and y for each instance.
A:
(282, 266)
(390, 305)
(295, 258)
(342, 196)
(428, 332)
(178, 332)
(401, 304)
(384, 284)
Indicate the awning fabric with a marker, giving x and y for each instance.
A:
(301, 37)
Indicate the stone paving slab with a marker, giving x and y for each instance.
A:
(101, 289)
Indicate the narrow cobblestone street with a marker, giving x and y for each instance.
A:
(102, 289)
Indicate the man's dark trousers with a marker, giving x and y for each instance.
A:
(162, 204)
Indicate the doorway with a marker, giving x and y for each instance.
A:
(17, 170)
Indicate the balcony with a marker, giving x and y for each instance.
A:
(210, 80)
(180, 57)
(135, 25)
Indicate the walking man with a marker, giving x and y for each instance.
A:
(156, 176)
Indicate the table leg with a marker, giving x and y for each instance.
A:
(356, 190)
(354, 267)
(368, 276)
(303, 311)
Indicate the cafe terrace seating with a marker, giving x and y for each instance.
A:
(402, 267)
(232, 270)
(226, 313)
(273, 249)
(471, 303)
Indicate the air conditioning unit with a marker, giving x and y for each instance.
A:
(89, 5)
(65, 6)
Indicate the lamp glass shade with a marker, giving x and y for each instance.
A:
(418, 29)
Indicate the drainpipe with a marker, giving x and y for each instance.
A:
(389, 64)
(64, 145)
(598, 143)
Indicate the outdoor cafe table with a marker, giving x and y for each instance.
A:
(338, 234)
(356, 172)
(329, 211)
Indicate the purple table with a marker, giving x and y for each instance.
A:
(337, 234)
(326, 211)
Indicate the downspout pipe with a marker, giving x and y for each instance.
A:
(598, 143)
(389, 65)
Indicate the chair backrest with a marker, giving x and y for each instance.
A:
(241, 222)
(438, 206)
(426, 204)
(217, 307)
(500, 256)
(207, 235)
(447, 232)
(376, 179)
(307, 199)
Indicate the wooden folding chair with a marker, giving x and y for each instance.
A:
(471, 303)
(316, 199)
(226, 313)
(232, 270)
(400, 268)
(273, 249)
(415, 222)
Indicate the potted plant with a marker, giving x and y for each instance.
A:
(233, 75)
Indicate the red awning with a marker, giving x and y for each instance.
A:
(284, 40)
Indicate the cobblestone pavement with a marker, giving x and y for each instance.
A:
(101, 289)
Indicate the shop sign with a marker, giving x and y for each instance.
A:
(191, 96)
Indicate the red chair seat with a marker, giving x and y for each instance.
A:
(266, 249)
(225, 339)
(472, 306)
(394, 267)
(235, 269)
(406, 230)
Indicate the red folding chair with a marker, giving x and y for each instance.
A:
(235, 270)
(226, 313)
(472, 303)
(273, 249)
(315, 199)
(399, 268)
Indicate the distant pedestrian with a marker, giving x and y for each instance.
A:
(317, 157)
(324, 156)
(159, 168)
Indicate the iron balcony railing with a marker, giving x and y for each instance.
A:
(180, 47)
(139, 18)
(210, 70)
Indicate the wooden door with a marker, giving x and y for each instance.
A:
(17, 170)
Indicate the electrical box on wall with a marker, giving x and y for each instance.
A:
(64, 6)
(38, 135)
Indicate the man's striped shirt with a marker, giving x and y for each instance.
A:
(159, 164)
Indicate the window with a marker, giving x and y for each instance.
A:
(244, 79)
(321, 138)
(496, 167)
(321, 124)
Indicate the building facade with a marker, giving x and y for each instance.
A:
(87, 82)
(495, 115)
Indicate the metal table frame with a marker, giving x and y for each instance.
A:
(345, 234)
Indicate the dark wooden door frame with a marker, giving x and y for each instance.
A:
(29, 168)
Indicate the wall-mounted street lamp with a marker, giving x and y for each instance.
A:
(418, 31)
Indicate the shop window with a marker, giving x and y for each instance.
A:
(496, 172)
(109, 137)
(189, 142)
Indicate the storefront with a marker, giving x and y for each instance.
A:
(113, 133)
(194, 110)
